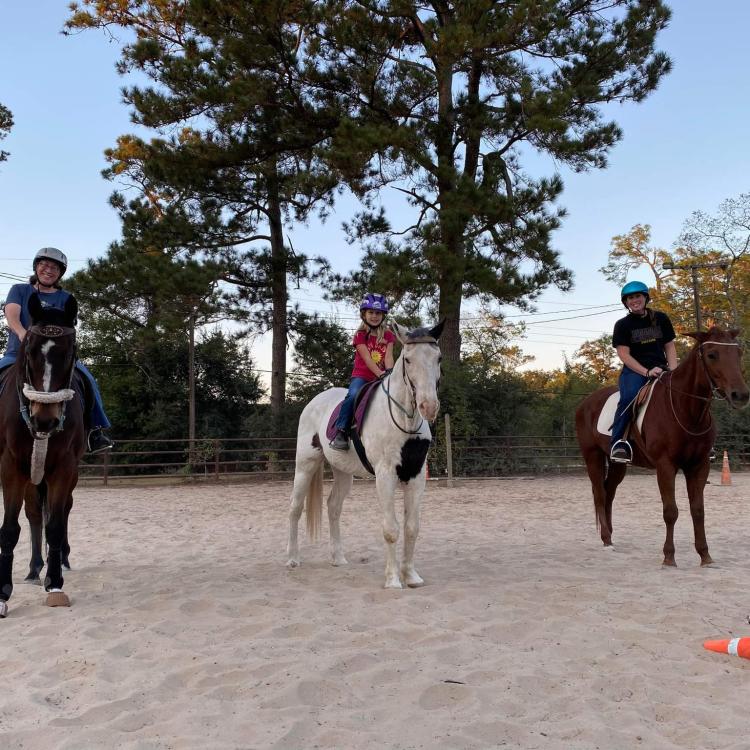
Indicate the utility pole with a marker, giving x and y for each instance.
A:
(694, 266)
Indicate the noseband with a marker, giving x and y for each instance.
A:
(45, 397)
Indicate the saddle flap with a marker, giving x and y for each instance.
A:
(360, 409)
(607, 414)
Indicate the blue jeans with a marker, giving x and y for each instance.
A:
(630, 383)
(347, 408)
(97, 417)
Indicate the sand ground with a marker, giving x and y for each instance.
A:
(186, 629)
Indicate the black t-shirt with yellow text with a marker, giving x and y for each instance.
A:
(645, 336)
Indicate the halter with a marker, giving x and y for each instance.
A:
(45, 397)
(385, 384)
(715, 390)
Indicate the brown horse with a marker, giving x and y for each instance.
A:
(677, 433)
(41, 442)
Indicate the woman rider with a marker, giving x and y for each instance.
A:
(644, 340)
(49, 266)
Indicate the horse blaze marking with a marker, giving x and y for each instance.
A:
(413, 454)
(47, 378)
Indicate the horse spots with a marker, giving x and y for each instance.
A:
(316, 442)
(413, 454)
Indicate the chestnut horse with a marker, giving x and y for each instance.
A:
(42, 439)
(677, 432)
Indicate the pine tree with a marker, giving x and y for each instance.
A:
(242, 142)
(450, 97)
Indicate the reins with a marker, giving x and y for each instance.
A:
(385, 384)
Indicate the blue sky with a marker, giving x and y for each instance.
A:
(684, 149)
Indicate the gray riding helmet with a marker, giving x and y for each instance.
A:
(52, 253)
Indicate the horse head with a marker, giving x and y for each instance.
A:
(720, 353)
(421, 364)
(47, 359)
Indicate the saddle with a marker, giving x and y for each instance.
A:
(638, 408)
(361, 406)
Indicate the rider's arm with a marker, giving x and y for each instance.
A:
(13, 317)
(670, 350)
(623, 352)
(364, 352)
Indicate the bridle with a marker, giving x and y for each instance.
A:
(715, 390)
(385, 384)
(28, 394)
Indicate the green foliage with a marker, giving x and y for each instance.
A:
(446, 98)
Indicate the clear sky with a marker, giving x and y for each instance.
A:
(684, 149)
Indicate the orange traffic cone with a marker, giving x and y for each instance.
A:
(726, 477)
(733, 646)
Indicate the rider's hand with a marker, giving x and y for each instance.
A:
(654, 372)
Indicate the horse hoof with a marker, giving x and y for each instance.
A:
(292, 564)
(669, 564)
(393, 584)
(609, 547)
(3, 609)
(57, 598)
(34, 580)
(708, 562)
(415, 583)
(337, 562)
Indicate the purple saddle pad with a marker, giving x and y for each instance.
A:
(360, 409)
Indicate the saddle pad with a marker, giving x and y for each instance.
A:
(360, 409)
(607, 414)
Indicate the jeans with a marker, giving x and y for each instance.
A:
(630, 383)
(97, 417)
(347, 408)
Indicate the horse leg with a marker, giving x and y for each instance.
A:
(59, 489)
(65, 550)
(386, 488)
(33, 510)
(305, 481)
(695, 479)
(13, 489)
(665, 476)
(596, 466)
(342, 485)
(413, 491)
(615, 474)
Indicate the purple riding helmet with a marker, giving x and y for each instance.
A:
(374, 302)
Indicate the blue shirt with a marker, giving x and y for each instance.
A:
(19, 294)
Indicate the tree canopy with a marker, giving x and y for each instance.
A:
(450, 97)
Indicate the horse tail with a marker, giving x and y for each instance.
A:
(314, 503)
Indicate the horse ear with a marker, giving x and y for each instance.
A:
(71, 311)
(699, 336)
(399, 331)
(35, 308)
(437, 330)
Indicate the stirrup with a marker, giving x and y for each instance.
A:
(621, 452)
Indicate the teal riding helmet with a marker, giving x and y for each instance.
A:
(634, 287)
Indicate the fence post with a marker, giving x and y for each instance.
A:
(217, 449)
(106, 467)
(448, 449)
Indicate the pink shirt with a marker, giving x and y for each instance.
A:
(377, 352)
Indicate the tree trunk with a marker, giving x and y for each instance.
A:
(279, 302)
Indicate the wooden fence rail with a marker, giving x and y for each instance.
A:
(213, 459)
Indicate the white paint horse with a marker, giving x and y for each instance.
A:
(396, 438)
